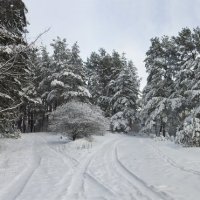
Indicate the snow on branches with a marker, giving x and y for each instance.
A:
(76, 120)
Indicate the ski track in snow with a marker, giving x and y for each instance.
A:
(41, 166)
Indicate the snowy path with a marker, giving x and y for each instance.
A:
(114, 167)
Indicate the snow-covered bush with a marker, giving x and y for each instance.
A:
(11, 133)
(189, 134)
(119, 123)
(124, 121)
(78, 120)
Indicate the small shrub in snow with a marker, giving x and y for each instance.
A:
(160, 138)
(11, 133)
(78, 120)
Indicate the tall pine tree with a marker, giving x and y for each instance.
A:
(14, 71)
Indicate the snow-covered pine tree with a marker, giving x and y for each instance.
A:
(102, 68)
(156, 95)
(51, 67)
(12, 17)
(186, 56)
(187, 86)
(104, 76)
(44, 71)
(114, 85)
(32, 114)
(66, 80)
(124, 102)
(93, 81)
(75, 75)
(14, 72)
(99, 72)
(171, 97)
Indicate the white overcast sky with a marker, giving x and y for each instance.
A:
(124, 25)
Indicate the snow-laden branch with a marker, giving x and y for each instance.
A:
(12, 108)
(13, 58)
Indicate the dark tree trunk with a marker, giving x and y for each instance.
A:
(161, 128)
(31, 122)
(24, 125)
(74, 137)
(19, 124)
(164, 133)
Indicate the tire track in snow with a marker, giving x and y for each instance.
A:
(98, 183)
(64, 181)
(125, 187)
(24, 178)
(121, 187)
(63, 152)
(64, 158)
(139, 183)
(172, 162)
(76, 189)
(27, 178)
(73, 181)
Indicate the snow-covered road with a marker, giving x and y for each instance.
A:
(42, 166)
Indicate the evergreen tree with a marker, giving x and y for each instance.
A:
(66, 80)
(160, 85)
(14, 71)
(44, 73)
(12, 16)
(114, 85)
(92, 65)
(187, 86)
(124, 102)
(102, 68)
(33, 112)
(171, 97)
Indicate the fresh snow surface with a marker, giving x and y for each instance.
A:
(43, 166)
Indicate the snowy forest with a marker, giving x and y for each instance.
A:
(59, 92)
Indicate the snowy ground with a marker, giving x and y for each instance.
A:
(114, 167)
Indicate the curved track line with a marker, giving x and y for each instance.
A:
(76, 186)
(125, 189)
(61, 156)
(71, 159)
(173, 163)
(27, 179)
(24, 177)
(139, 181)
(99, 184)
